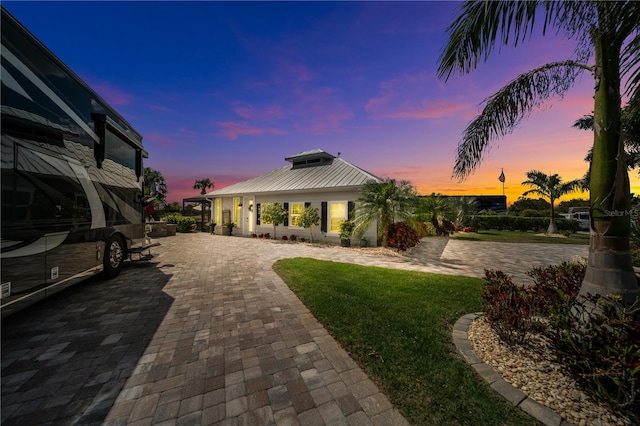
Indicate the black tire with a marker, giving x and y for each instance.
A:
(113, 257)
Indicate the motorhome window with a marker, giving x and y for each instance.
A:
(119, 151)
(24, 104)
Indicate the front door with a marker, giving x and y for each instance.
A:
(250, 217)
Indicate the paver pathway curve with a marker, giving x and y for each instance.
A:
(208, 334)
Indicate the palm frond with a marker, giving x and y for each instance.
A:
(480, 23)
(504, 110)
(630, 65)
(584, 123)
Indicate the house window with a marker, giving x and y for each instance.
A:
(337, 213)
(236, 210)
(295, 211)
(218, 211)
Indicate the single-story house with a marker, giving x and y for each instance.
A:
(314, 178)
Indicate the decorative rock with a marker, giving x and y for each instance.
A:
(537, 375)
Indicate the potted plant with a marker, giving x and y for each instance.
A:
(227, 228)
(346, 229)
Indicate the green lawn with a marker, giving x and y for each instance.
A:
(397, 326)
(520, 237)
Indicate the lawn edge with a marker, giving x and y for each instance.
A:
(460, 335)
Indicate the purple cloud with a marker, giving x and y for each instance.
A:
(111, 94)
(405, 97)
(162, 140)
(251, 112)
(231, 130)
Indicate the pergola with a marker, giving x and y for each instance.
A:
(203, 202)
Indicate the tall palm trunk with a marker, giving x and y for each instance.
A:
(609, 269)
(553, 228)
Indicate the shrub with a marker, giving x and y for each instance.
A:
(634, 236)
(292, 238)
(254, 235)
(517, 223)
(468, 229)
(185, 224)
(556, 287)
(428, 229)
(445, 228)
(597, 339)
(533, 213)
(266, 235)
(173, 218)
(402, 236)
(598, 342)
(506, 306)
(302, 239)
(635, 256)
(285, 238)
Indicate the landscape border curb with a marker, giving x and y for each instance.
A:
(540, 412)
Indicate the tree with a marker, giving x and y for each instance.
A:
(564, 206)
(310, 217)
(273, 213)
(608, 32)
(151, 175)
(174, 207)
(523, 204)
(463, 207)
(552, 187)
(203, 185)
(438, 210)
(629, 134)
(384, 202)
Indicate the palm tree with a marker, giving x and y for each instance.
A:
(552, 187)
(608, 32)
(203, 185)
(151, 175)
(385, 202)
(629, 134)
(463, 207)
(436, 209)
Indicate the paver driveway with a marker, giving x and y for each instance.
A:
(207, 333)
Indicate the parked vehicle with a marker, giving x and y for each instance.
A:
(72, 185)
(581, 214)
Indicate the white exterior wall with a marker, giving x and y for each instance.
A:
(247, 224)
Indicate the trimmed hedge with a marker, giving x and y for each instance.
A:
(183, 223)
(517, 223)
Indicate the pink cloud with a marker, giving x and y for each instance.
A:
(250, 112)
(315, 109)
(111, 94)
(232, 130)
(299, 72)
(320, 110)
(162, 140)
(181, 186)
(161, 108)
(405, 97)
(428, 110)
(187, 131)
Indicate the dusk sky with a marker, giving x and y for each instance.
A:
(227, 90)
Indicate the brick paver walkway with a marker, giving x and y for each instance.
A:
(207, 333)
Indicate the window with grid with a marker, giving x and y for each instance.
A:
(295, 211)
(337, 213)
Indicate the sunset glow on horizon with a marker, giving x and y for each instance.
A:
(227, 90)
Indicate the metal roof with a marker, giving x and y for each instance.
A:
(314, 153)
(337, 174)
